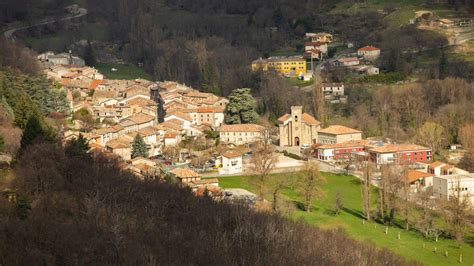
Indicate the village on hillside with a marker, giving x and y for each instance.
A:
(167, 130)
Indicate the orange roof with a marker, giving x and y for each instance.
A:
(346, 144)
(398, 148)
(241, 128)
(168, 125)
(369, 48)
(119, 143)
(309, 119)
(170, 135)
(339, 130)
(175, 121)
(95, 83)
(447, 167)
(206, 110)
(414, 175)
(180, 115)
(184, 172)
(284, 117)
(231, 154)
(436, 164)
(141, 118)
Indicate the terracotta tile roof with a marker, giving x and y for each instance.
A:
(231, 154)
(168, 125)
(104, 130)
(436, 164)
(346, 144)
(147, 131)
(369, 48)
(414, 175)
(95, 83)
(339, 130)
(447, 167)
(206, 110)
(241, 128)
(141, 118)
(180, 115)
(119, 143)
(170, 135)
(140, 101)
(309, 119)
(284, 117)
(184, 172)
(175, 121)
(398, 148)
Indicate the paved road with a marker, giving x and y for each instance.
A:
(10, 34)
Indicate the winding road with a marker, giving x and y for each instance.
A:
(10, 34)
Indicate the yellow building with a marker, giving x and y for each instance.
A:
(286, 65)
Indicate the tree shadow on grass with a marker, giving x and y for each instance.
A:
(355, 182)
(355, 213)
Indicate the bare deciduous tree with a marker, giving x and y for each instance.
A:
(367, 168)
(263, 160)
(455, 212)
(309, 184)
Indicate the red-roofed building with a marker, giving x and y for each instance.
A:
(298, 128)
(369, 52)
(401, 154)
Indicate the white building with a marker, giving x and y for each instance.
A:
(321, 46)
(453, 185)
(242, 134)
(369, 52)
(336, 89)
(231, 163)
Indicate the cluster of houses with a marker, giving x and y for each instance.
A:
(362, 62)
(340, 144)
(165, 113)
(316, 48)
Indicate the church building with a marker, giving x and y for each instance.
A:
(298, 128)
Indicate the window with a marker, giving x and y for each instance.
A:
(296, 118)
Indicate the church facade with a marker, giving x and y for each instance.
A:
(298, 128)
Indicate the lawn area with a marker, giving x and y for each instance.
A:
(298, 82)
(412, 245)
(124, 71)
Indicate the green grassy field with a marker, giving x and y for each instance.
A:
(298, 82)
(124, 71)
(412, 245)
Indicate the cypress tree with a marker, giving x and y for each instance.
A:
(139, 148)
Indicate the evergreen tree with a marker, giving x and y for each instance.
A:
(89, 56)
(23, 206)
(2, 143)
(77, 147)
(33, 131)
(240, 109)
(139, 148)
